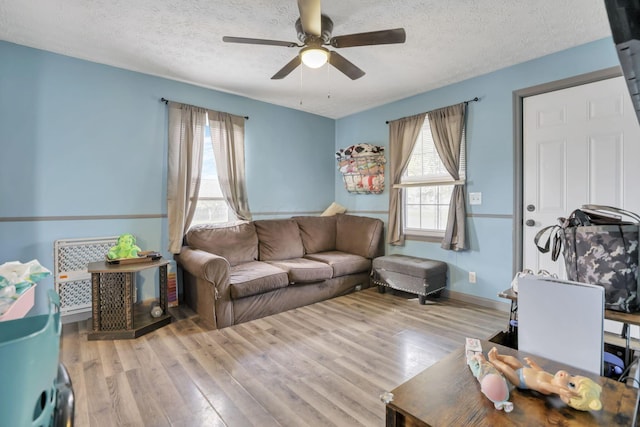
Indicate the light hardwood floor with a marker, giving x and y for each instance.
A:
(321, 365)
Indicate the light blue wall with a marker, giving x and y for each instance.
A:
(490, 159)
(83, 139)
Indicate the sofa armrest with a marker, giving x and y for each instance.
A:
(207, 266)
(360, 235)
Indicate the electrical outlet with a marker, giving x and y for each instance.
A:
(472, 277)
(475, 198)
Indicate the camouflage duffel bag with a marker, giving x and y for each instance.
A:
(606, 255)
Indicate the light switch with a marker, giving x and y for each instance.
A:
(475, 198)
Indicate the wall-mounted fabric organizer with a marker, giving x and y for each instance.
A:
(362, 168)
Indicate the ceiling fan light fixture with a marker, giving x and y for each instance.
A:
(314, 32)
(314, 56)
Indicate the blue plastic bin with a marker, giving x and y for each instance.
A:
(29, 351)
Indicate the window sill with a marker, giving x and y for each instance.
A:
(424, 238)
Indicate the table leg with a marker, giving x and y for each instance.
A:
(393, 418)
(129, 283)
(627, 353)
(95, 301)
(164, 301)
(513, 316)
(626, 334)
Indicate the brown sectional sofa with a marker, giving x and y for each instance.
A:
(254, 269)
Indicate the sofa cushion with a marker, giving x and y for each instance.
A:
(303, 270)
(254, 278)
(318, 233)
(358, 235)
(278, 239)
(342, 263)
(237, 243)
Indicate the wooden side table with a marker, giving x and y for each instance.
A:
(114, 314)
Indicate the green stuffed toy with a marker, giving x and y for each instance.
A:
(125, 248)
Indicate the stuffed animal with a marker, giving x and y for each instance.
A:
(125, 248)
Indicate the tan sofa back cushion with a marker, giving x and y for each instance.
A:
(318, 233)
(237, 243)
(359, 235)
(278, 239)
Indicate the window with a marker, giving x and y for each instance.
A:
(211, 207)
(427, 187)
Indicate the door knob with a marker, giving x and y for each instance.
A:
(530, 222)
(531, 208)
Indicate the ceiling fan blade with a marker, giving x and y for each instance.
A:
(345, 66)
(258, 41)
(310, 16)
(396, 35)
(287, 69)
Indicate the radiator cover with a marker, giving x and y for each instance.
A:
(72, 281)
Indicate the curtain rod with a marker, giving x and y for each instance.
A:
(476, 99)
(166, 101)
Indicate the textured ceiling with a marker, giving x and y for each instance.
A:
(447, 41)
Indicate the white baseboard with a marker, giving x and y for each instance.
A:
(472, 299)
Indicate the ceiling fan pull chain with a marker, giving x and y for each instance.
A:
(328, 83)
(301, 85)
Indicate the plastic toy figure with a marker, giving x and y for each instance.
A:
(492, 383)
(125, 248)
(579, 392)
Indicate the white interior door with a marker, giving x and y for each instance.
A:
(581, 145)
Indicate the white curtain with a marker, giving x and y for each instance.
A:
(447, 125)
(403, 134)
(227, 136)
(186, 140)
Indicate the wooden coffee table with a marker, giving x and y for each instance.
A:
(447, 394)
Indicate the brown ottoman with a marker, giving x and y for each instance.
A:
(415, 275)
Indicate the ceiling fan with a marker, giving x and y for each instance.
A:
(314, 32)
